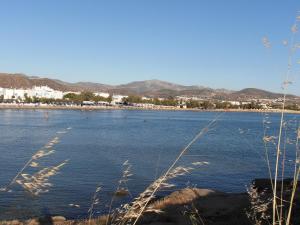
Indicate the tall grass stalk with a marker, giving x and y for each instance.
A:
(95, 202)
(164, 177)
(266, 139)
(46, 150)
(278, 148)
(122, 182)
(296, 177)
(283, 170)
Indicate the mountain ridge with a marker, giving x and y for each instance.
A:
(151, 88)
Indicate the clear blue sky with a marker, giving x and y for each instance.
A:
(214, 43)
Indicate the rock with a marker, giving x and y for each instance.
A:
(32, 222)
(215, 208)
(265, 184)
(58, 219)
(16, 222)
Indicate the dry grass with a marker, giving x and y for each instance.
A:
(278, 217)
(132, 212)
(260, 205)
(95, 202)
(38, 182)
(121, 190)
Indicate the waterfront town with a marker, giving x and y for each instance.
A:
(46, 96)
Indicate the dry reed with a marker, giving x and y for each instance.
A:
(122, 188)
(94, 203)
(277, 215)
(131, 213)
(38, 182)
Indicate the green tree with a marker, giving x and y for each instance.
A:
(35, 99)
(223, 105)
(70, 96)
(87, 96)
(207, 105)
(27, 99)
(109, 99)
(292, 106)
(133, 99)
(193, 104)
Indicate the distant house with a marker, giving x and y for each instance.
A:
(118, 99)
(45, 92)
(36, 91)
(235, 103)
(102, 94)
(182, 105)
(146, 98)
(264, 106)
(13, 94)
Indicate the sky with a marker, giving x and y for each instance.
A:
(213, 43)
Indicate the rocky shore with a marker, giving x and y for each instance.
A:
(193, 206)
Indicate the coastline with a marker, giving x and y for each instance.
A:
(179, 207)
(158, 108)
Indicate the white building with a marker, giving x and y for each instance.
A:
(9, 93)
(146, 98)
(45, 92)
(39, 92)
(236, 103)
(182, 105)
(102, 94)
(182, 98)
(118, 99)
(264, 106)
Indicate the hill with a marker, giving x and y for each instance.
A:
(151, 88)
(22, 81)
(254, 93)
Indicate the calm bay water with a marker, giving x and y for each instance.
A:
(100, 141)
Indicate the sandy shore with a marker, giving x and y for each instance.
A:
(159, 108)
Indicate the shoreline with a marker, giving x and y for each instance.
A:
(159, 108)
(215, 207)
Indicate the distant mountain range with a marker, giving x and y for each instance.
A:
(151, 88)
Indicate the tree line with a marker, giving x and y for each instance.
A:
(72, 98)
